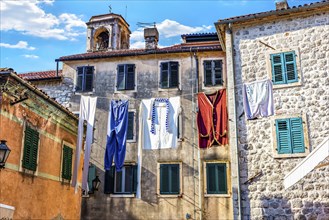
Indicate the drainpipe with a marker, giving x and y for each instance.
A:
(56, 68)
(235, 125)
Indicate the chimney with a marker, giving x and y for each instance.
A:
(151, 36)
(281, 4)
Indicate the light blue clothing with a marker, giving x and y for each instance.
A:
(116, 134)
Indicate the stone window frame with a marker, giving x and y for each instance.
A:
(21, 168)
(303, 116)
(217, 87)
(298, 67)
(68, 144)
(76, 81)
(228, 178)
(116, 79)
(134, 128)
(180, 194)
(179, 87)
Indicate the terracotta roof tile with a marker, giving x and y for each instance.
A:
(41, 75)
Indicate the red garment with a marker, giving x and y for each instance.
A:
(212, 119)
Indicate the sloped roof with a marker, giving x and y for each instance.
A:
(294, 9)
(41, 75)
(185, 47)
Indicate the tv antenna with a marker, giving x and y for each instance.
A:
(146, 24)
(110, 9)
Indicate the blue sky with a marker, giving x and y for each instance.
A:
(33, 33)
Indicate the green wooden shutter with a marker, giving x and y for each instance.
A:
(211, 178)
(135, 179)
(283, 136)
(130, 77)
(216, 178)
(109, 180)
(67, 162)
(91, 176)
(174, 74)
(130, 130)
(207, 73)
(89, 75)
(164, 74)
(290, 67)
(278, 76)
(31, 142)
(221, 179)
(217, 68)
(174, 175)
(164, 179)
(121, 77)
(79, 85)
(297, 135)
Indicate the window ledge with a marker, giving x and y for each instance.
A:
(170, 195)
(209, 88)
(122, 195)
(125, 91)
(84, 93)
(281, 156)
(289, 85)
(131, 141)
(217, 195)
(169, 89)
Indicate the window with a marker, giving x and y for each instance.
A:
(67, 163)
(91, 177)
(284, 68)
(124, 182)
(85, 76)
(290, 136)
(131, 126)
(213, 72)
(30, 155)
(169, 75)
(216, 178)
(126, 77)
(169, 179)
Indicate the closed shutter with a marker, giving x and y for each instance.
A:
(211, 178)
(216, 178)
(207, 73)
(67, 162)
(135, 180)
(31, 143)
(79, 85)
(164, 74)
(221, 178)
(218, 80)
(91, 176)
(130, 130)
(283, 136)
(290, 66)
(121, 77)
(109, 180)
(277, 69)
(174, 175)
(164, 179)
(297, 135)
(173, 74)
(89, 75)
(130, 77)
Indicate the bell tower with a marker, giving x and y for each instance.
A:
(107, 32)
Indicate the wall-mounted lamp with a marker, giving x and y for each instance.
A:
(4, 153)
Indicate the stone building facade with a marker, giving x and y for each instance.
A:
(41, 135)
(252, 43)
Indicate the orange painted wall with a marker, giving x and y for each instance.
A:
(42, 196)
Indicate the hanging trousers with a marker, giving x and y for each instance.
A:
(116, 135)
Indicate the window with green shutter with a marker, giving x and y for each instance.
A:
(290, 136)
(284, 69)
(126, 77)
(85, 75)
(91, 177)
(213, 72)
(124, 182)
(216, 178)
(31, 143)
(67, 163)
(169, 75)
(169, 179)
(130, 130)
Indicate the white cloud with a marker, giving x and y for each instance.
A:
(19, 45)
(29, 18)
(30, 56)
(167, 29)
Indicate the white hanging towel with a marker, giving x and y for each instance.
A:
(258, 99)
(87, 112)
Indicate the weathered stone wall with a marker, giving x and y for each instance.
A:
(265, 197)
(152, 206)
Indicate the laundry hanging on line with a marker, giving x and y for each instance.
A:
(258, 99)
(87, 112)
(212, 119)
(116, 134)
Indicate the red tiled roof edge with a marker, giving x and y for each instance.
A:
(42, 75)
